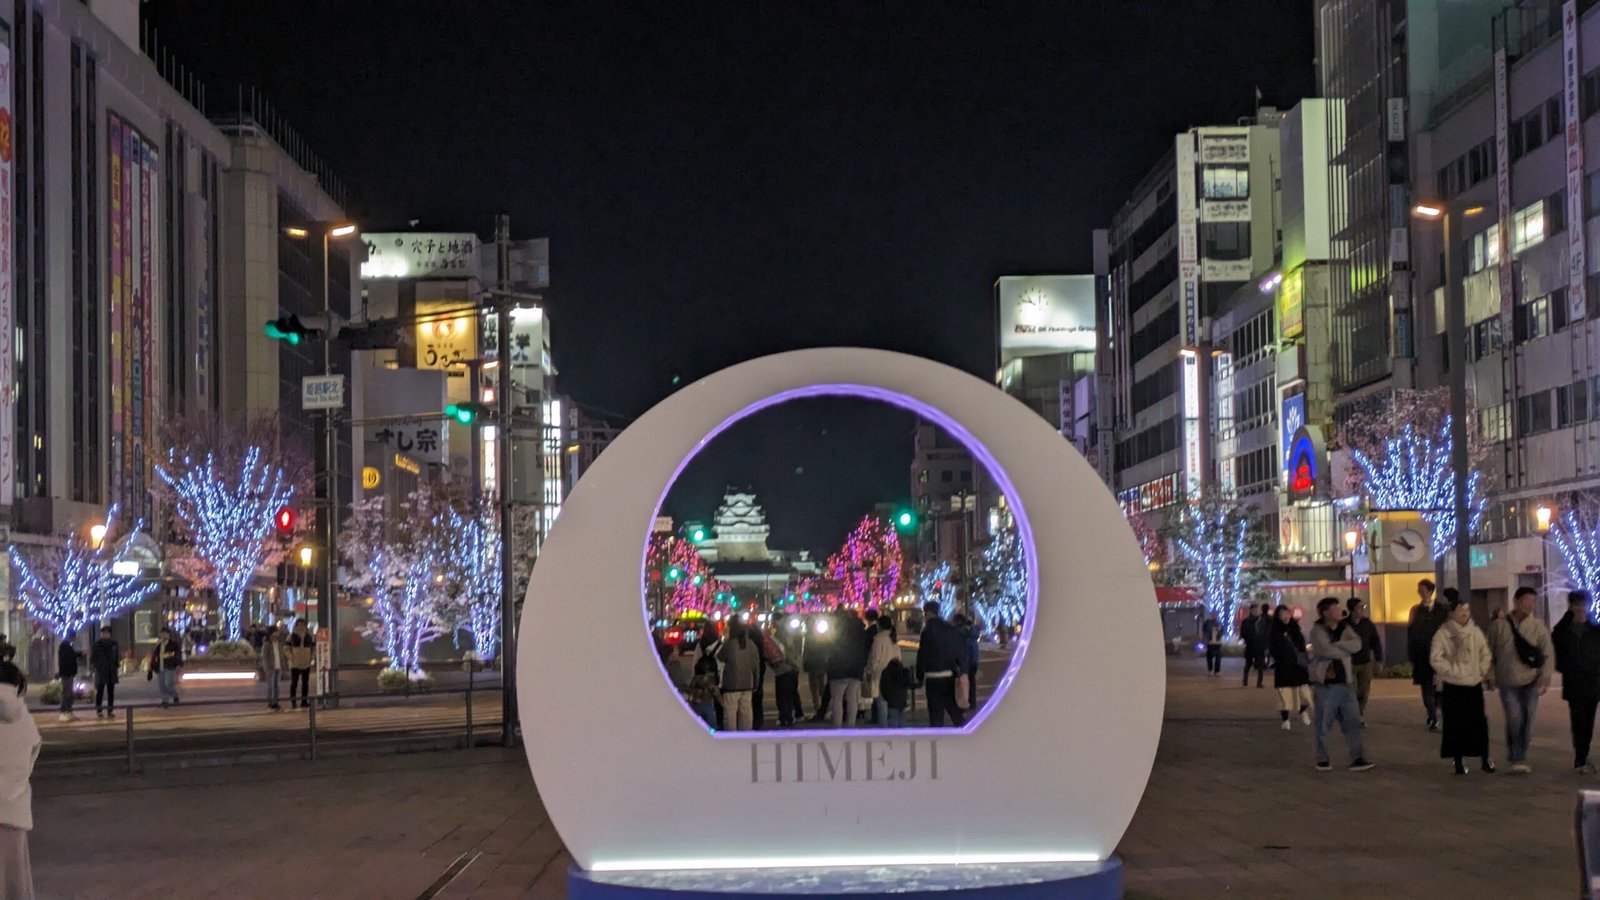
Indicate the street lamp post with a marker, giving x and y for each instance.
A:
(1455, 318)
(327, 481)
(1541, 520)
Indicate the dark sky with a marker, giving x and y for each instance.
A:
(722, 181)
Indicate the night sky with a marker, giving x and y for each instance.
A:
(723, 181)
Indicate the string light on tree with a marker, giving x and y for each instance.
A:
(228, 517)
(934, 586)
(1218, 549)
(1003, 597)
(867, 567)
(1413, 472)
(1577, 539)
(67, 588)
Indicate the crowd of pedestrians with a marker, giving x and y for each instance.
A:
(853, 664)
(1323, 675)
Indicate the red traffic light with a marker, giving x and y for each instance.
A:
(285, 520)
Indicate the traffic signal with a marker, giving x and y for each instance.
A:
(697, 535)
(467, 413)
(287, 329)
(295, 330)
(284, 520)
(905, 520)
(674, 573)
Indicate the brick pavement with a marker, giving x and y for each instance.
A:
(1233, 808)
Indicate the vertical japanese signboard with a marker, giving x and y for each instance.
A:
(1188, 244)
(132, 163)
(1502, 156)
(1577, 262)
(8, 355)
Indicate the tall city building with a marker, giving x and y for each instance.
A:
(1200, 225)
(145, 249)
(1045, 350)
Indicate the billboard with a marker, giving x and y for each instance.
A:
(132, 161)
(1041, 314)
(405, 254)
(8, 358)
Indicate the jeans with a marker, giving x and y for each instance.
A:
(273, 687)
(895, 718)
(1336, 703)
(299, 679)
(1213, 658)
(707, 712)
(105, 688)
(1520, 704)
(845, 702)
(66, 694)
(1581, 705)
(167, 683)
(942, 701)
(736, 711)
(788, 689)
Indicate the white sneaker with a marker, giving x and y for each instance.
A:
(1286, 726)
(1305, 717)
(68, 717)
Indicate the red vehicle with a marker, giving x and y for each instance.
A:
(685, 633)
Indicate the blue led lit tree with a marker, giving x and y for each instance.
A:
(1412, 471)
(1001, 598)
(226, 512)
(935, 585)
(474, 563)
(1217, 550)
(65, 588)
(1577, 538)
(402, 560)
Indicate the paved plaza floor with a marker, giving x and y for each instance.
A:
(1234, 808)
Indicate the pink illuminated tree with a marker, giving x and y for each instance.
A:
(867, 567)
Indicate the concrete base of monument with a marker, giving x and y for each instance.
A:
(1010, 881)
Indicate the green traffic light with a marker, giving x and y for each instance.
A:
(698, 535)
(461, 413)
(278, 334)
(699, 579)
(674, 573)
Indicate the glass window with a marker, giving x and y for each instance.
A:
(1532, 132)
(1527, 227)
(1553, 118)
(1555, 213)
(1225, 182)
(1564, 406)
(1580, 401)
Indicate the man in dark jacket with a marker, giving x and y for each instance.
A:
(941, 656)
(165, 661)
(1370, 658)
(1211, 636)
(846, 665)
(1426, 617)
(1257, 637)
(814, 662)
(105, 658)
(1577, 645)
(67, 670)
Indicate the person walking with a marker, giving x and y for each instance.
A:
(67, 657)
(165, 661)
(1257, 643)
(815, 663)
(1426, 618)
(1334, 644)
(272, 665)
(972, 630)
(1524, 661)
(302, 656)
(19, 750)
(941, 656)
(740, 661)
(1460, 659)
(105, 658)
(885, 649)
(1290, 668)
(847, 665)
(1369, 659)
(1211, 635)
(1577, 644)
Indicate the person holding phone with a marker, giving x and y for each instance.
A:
(1334, 644)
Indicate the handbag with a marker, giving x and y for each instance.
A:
(962, 686)
(1530, 656)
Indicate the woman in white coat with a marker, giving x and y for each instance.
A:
(1461, 664)
(885, 648)
(19, 747)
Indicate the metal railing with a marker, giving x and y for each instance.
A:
(359, 719)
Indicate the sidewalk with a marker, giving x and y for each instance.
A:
(1233, 809)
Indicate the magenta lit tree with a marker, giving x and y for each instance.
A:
(675, 570)
(867, 567)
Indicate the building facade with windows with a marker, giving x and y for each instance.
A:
(1197, 228)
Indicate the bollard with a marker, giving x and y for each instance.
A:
(128, 710)
(313, 722)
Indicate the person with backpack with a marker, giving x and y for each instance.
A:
(703, 694)
(741, 660)
(1524, 661)
(1290, 676)
(1461, 660)
(1577, 644)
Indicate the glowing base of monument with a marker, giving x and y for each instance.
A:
(1096, 880)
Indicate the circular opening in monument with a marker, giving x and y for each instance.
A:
(793, 553)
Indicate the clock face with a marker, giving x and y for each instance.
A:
(1408, 546)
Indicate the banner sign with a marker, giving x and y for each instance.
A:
(8, 354)
(1577, 262)
(1502, 155)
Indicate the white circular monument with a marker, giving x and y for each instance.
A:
(1050, 771)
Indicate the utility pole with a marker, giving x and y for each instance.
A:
(504, 486)
(328, 603)
(1455, 319)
